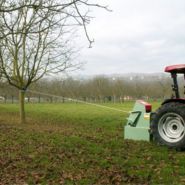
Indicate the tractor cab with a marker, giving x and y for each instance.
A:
(174, 70)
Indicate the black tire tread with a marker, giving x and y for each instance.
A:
(175, 107)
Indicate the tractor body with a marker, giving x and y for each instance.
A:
(166, 126)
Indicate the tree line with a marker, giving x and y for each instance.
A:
(98, 89)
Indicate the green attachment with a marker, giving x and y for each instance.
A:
(138, 124)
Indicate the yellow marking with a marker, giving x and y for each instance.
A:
(147, 116)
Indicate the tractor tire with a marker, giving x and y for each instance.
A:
(168, 125)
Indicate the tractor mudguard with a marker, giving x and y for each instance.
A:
(176, 100)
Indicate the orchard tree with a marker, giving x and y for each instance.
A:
(35, 39)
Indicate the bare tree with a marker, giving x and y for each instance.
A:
(34, 39)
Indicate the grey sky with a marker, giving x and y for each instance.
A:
(138, 36)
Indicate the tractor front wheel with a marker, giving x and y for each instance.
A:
(168, 125)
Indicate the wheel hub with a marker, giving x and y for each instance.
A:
(174, 127)
(171, 127)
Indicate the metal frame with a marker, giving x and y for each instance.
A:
(175, 86)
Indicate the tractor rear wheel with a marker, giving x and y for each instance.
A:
(168, 125)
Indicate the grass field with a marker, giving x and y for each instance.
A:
(80, 144)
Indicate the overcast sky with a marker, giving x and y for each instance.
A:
(138, 36)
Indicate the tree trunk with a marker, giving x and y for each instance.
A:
(21, 104)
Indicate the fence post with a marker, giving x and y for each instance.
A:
(39, 99)
(28, 99)
(5, 97)
(12, 99)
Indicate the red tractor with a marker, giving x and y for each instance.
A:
(167, 124)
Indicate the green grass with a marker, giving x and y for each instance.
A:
(80, 144)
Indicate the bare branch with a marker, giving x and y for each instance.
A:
(35, 37)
